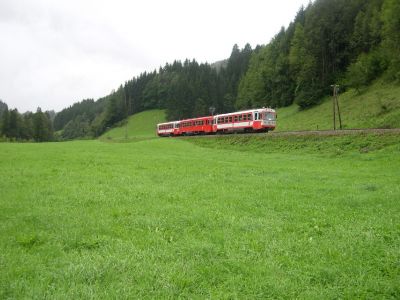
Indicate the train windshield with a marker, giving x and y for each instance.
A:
(269, 116)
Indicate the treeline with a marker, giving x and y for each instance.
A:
(350, 42)
(25, 127)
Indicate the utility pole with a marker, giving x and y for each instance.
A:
(334, 108)
(335, 102)
(211, 110)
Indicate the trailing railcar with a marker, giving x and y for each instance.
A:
(166, 129)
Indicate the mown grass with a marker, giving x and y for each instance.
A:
(163, 218)
(378, 106)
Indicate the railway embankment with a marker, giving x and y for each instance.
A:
(324, 142)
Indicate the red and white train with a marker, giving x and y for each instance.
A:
(254, 120)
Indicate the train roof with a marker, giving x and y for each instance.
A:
(247, 111)
(165, 123)
(194, 119)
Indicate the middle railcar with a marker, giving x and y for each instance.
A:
(203, 125)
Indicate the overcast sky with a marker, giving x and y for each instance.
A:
(57, 52)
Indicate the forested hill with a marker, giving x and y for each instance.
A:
(346, 42)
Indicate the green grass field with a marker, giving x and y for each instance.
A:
(168, 218)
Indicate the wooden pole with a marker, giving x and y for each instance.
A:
(333, 106)
(337, 104)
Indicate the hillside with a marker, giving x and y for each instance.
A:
(376, 107)
(141, 125)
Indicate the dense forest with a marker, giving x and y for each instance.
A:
(36, 126)
(349, 42)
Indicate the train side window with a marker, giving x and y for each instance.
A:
(245, 117)
(230, 119)
(256, 116)
(236, 118)
(240, 118)
(226, 119)
(249, 117)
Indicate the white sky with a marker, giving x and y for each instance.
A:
(57, 52)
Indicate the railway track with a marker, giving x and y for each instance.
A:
(306, 133)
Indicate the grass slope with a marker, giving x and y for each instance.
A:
(163, 218)
(377, 107)
(141, 125)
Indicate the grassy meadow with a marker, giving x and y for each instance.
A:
(172, 218)
(140, 126)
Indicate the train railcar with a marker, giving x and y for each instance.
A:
(203, 125)
(255, 120)
(166, 129)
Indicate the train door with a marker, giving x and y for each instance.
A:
(256, 123)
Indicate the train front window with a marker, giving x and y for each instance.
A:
(269, 116)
